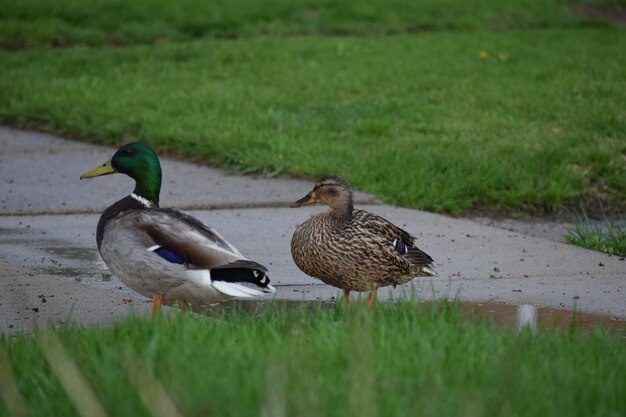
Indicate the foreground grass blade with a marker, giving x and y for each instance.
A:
(65, 369)
(8, 388)
(275, 398)
(152, 393)
(361, 363)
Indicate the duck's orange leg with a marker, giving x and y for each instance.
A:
(372, 298)
(157, 300)
(346, 297)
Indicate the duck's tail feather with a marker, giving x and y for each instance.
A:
(241, 290)
(241, 282)
(428, 270)
(242, 264)
(421, 261)
(418, 257)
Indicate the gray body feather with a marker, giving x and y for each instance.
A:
(127, 248)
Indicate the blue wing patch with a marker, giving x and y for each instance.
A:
(168, 255)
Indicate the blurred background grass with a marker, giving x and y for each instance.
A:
(514, 107)
(65, 22)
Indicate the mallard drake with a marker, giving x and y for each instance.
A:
(353, 249)
(163, 253)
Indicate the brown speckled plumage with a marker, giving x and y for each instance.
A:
(353, 249)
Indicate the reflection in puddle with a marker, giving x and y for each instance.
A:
(525, 315)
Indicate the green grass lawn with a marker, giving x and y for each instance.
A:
(392, 94)
(419, 120)
(67, 22)
(398, 360)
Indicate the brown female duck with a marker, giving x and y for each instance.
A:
(353, 249)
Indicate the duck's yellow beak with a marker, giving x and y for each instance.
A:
(104, 169)
(307, 200)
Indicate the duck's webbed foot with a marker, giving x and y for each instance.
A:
(157, 300)
(346, 297)
(372, 298)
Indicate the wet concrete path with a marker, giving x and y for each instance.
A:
(48, 252)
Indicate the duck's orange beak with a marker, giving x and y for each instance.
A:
(307, 200)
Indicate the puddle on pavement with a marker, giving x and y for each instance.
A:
(502, 315)
(55, 257)
(82, 264)
(74, 253)
(10, 231)
(526, 315)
